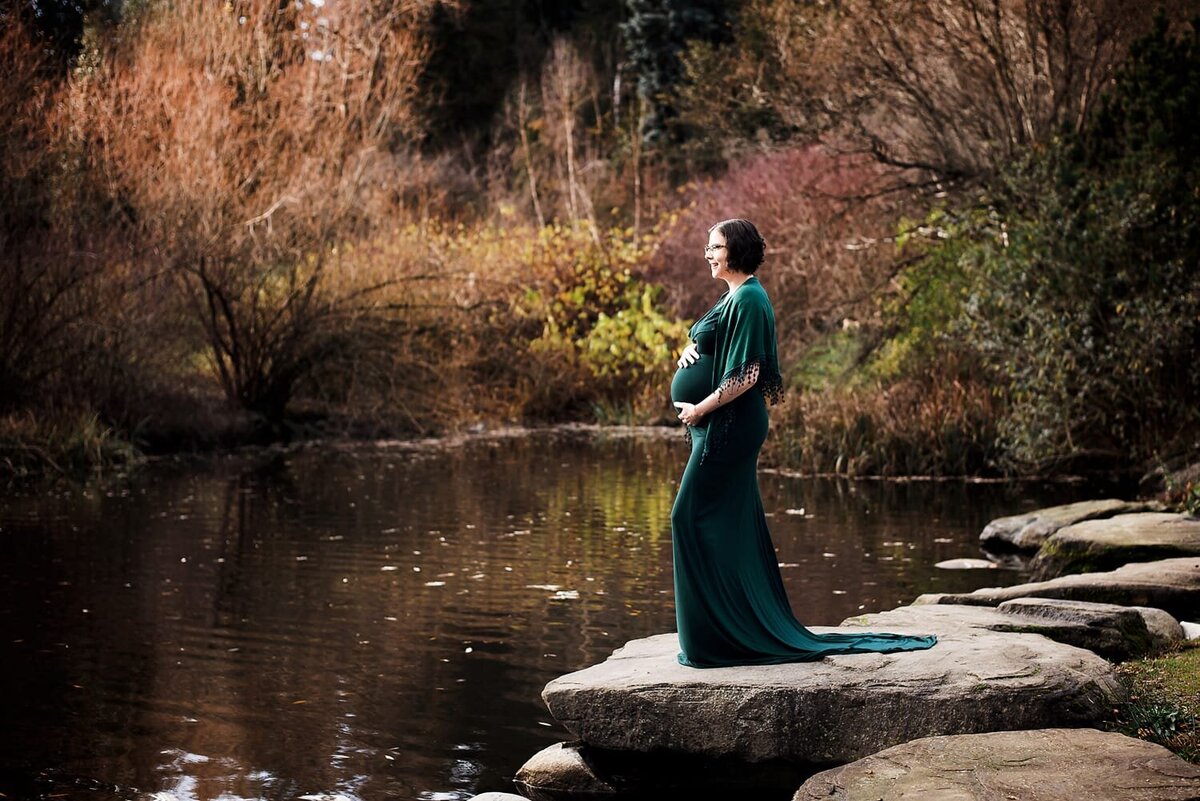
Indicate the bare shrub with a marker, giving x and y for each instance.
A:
(44, 268)
(404, 353)
(943, 91)
(963, 88)
(241, 144)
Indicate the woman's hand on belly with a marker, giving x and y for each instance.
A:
(689, 356)
(688, 414)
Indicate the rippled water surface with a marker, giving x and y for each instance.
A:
(377, 623)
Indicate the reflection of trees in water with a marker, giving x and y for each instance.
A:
(295, 579)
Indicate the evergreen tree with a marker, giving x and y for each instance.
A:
(655, 36)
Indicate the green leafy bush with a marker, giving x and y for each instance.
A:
(1088, 301)
(603, 324)
(1076, 281)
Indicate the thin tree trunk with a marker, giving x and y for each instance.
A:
(637, 167)
(522, 118)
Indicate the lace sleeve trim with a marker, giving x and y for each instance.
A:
(768, 379)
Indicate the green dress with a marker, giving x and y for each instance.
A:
(730, 604)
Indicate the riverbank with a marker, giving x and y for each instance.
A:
(79, 445)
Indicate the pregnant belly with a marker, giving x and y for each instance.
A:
(692, 384)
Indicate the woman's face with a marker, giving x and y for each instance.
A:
(717, 254)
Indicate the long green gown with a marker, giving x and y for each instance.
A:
(730, 604)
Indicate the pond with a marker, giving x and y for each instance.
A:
(377, 622)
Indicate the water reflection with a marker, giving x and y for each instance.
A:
(372, 624)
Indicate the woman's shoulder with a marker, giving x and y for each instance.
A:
(750, 295)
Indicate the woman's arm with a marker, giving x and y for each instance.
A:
(730, 390)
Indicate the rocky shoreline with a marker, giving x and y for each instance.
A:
(1006, 705)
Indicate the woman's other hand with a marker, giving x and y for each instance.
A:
(688, 414)
(689, 356)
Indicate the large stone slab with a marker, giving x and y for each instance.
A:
(1044, 765)
(1116, 633)
(1097, 545)
(1027, 532)
(838, 709)
(1169, 584)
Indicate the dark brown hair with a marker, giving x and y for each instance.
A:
(744, 245)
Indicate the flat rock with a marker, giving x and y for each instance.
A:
(1169, 584)
(1042, 765)
(1116, 633)
(1106, 544)
(1027, 532)
(1159, 626)
(837, 709)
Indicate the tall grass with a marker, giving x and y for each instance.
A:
(920, 425)
(64, 444)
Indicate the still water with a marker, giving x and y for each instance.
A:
(377, 622)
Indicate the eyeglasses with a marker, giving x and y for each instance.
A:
(710, 248)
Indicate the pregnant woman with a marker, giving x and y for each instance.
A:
(730, 605)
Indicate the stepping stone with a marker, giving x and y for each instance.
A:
(1042, 765)
(1116, 633)
(837, 709)
(1027, 532)
(1163, 630)
(966, 564)
(1172, 585)
(1097, 545)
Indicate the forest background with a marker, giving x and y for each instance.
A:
(251, 221)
